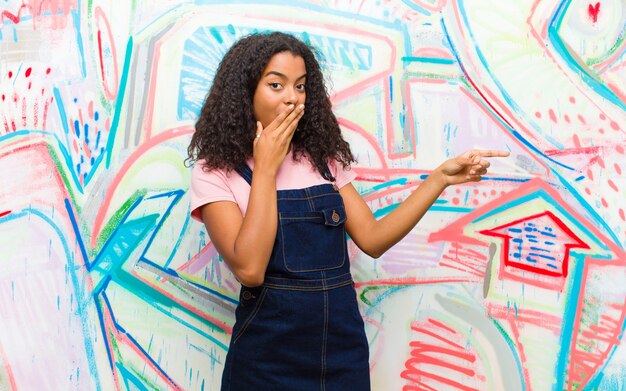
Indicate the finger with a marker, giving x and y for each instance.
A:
(492, 153)
(480, 168)
(291, 128)
(259, 131)
(280, 118)
(295, 115)
(290, 122)
(474, 178)
(471, 157)
(483, 164)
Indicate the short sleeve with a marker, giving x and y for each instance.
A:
(206, 187)
(342, 175)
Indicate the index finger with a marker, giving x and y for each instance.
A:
(492, 153)
(280, 118)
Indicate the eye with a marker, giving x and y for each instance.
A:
(301, 87)
(274, 86)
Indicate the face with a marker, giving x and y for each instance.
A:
(282, 84)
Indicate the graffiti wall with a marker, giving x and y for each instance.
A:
(514, 283)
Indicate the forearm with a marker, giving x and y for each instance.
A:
(254, 244)
(386, 232)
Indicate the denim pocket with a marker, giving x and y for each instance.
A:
(250, 301)
(313, 241)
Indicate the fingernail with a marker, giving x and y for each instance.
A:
(290, 106)
(301, 107)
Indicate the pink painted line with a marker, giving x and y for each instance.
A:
(46, 106)
(505, 131)
(461, 269)
(470, 257)
(460, 265)
(35, 114)
(419, 373)
(122, 338)
(199, 260)
(381, 194)
(424, 359)
(418, 386)
(386, 174)
(454, 232)
(86, 149)
(602, 355)
(471, 81)
(433, 53)
(436, 7)
(613, 340)
(15, 18)
(573, 151)
(24, 116)
(7, 368)
(526, 316)
(156, 140)
(109, 334)
(413, 281)
(459, 25)
(617, 91)
(541, 39)
(159, 287)
(371, 140)
(348, 92)
(428, 81)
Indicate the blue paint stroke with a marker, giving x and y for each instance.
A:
(70, 269)
(118, 103)
(583, 72)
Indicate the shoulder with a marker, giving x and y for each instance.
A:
(343, 175)
(201, 175)
(211, 185)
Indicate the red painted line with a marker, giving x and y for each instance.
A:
(436, 336)
(441, 325)
(408, 375)
(110, 93)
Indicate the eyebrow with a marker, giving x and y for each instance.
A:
(282, 75)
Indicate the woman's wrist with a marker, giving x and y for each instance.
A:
(438, 178)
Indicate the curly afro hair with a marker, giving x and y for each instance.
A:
(226, 128)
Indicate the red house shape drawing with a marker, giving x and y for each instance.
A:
(539, 243)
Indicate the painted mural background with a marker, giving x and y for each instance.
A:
(514, 283)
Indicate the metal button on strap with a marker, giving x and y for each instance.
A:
(247, 295)
(335, 217)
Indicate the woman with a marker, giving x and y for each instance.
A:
(272, 185)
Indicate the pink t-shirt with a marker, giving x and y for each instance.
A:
(217, 185)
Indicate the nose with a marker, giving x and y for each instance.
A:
(291, 96)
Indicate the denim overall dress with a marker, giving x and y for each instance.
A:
(301, 330)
